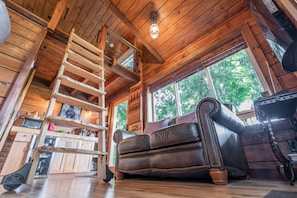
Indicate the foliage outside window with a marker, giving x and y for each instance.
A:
(191, 90)
(164, 102)
(120, 122)
(121, 116)
(233, 79)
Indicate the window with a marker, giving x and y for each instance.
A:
(232, 80)
(164, 103)
(119, 122)
(129, 62)
(278, 49)
(191, 90)
(235, 81)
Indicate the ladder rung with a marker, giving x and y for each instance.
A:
(69, 150)
(83, 61)
(86, 44)
(78, 103)
(75, 123)
(86, 53)
(69, 82)
(83, 73)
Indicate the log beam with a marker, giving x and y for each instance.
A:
(60, 7)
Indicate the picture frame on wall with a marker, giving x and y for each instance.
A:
(70, 111)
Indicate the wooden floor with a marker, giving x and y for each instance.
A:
(80, 186)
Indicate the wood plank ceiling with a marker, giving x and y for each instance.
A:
(181, 22)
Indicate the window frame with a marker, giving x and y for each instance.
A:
(243, 114)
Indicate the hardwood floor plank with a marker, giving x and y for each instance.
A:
(80, 186)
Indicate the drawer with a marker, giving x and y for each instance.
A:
(136, 127)
(23, 137)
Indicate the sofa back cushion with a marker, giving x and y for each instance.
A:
(174, 135)
(187, 118)
(150, 127)
(134, 144)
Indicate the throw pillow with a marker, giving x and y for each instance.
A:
(150, 127)
(187, 118)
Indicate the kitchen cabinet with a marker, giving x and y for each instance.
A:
(70, 159)
(57, 163)
(71, 162)
(84, 161)
(18, 153)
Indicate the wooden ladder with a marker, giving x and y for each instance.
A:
(81, 59)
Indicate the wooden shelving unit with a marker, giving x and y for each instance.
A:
(83, 61)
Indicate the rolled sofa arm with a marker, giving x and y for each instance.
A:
(219, 129)
(217, 111)
(119, 135)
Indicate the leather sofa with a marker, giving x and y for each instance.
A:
(204, 144)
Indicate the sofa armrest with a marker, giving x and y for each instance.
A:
(119, 135)
(219, 128)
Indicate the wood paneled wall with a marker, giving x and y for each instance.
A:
(14, 51)
(200, 49)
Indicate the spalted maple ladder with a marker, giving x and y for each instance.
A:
(86, 61)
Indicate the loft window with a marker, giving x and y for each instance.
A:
(129, 62)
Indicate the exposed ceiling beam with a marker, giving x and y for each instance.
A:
(60, 7)
(134, 31)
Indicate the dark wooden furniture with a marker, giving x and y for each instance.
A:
(276, 107)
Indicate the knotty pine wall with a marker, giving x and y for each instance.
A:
(14, 51)
(241, 26)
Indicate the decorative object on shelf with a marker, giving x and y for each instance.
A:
(32, 123)
(70, 111)
(51, 126)
(154, 28)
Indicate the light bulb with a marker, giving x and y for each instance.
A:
(154, 30)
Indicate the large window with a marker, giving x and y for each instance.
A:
(232, 80)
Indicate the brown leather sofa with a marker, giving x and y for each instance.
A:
(204, 144)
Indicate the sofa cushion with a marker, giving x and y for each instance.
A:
(187, 118)
(134, 144)
(150, 127)
(174, 135)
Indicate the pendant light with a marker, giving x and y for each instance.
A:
(154, 28)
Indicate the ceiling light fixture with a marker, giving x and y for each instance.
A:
(154, 29)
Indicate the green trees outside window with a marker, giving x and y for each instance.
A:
(191, 90)
(235, 81)
(164, 102)
(232, 80)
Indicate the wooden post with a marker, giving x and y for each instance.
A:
(61, 5)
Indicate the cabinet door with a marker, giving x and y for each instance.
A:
(84, 161)
(70, 158)
(16, 157)
(57, 163)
